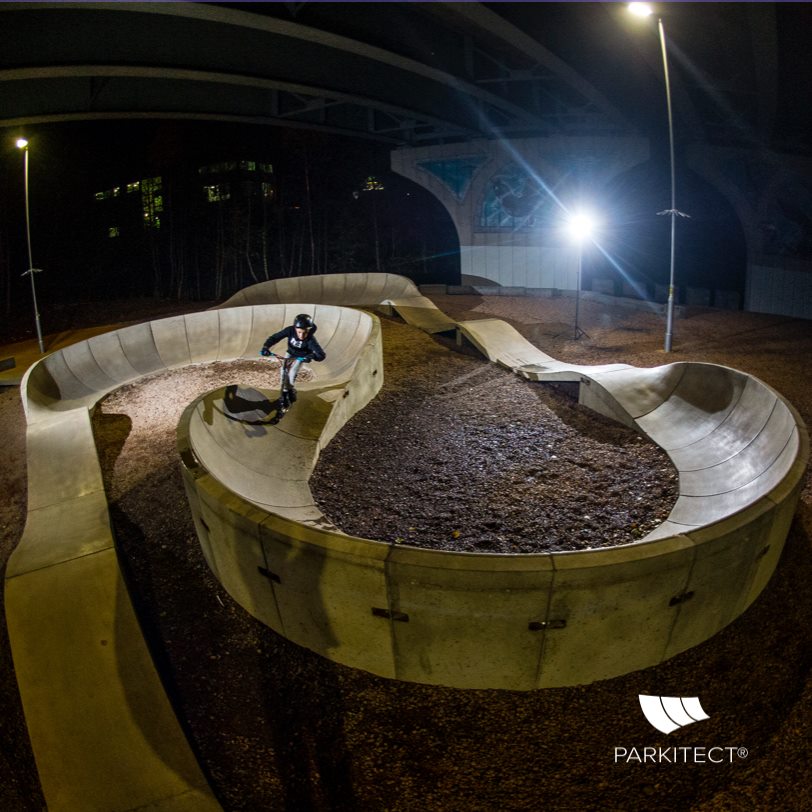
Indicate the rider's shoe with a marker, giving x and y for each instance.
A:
(292, 394)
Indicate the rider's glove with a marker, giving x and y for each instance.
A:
(307, 359)
(265, 351)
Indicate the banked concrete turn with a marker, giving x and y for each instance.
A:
(102, 729)
(461, 619)
(740, 451)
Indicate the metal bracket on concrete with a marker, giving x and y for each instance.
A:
(681, 598)
(543, 625)
(402, 617)
(271, 576)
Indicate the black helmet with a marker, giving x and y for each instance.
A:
(304, 321)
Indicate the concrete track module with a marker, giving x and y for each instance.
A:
(103, 733)
(548, 619)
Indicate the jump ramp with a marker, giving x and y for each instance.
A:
(103, 732)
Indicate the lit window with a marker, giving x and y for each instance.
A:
(133, 187)
(151, 201)
(225, 166)
(116, 191)
(248, 166)
(113, 231)
(266, 168)
(372, 184)
(267, 190)
(217, 192)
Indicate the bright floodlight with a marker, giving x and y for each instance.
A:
(640, 9)
(22, 143)
(580, 226)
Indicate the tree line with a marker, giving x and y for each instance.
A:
(319, 212)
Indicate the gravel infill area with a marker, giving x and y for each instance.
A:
(459, 454)
(279, 728)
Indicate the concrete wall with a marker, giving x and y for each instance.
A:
(508, 199)
(783, 291)
(480, 621)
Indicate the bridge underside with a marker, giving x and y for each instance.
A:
(430, 76)
(70, 61)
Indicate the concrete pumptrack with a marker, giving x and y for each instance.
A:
(103, 732)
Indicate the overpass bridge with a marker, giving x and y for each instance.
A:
(489, 106)
(397, 72)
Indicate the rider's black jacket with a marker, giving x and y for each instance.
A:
(307, 350)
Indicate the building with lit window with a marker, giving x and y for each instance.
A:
(139, 204)
(237, 179)
(187, 231)
(131, 207)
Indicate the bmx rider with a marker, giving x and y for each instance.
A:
(302, 348)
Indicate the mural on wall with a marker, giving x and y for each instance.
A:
(454, 173)
(515, 200)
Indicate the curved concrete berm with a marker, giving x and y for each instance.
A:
(545, 620)
(103, 733)
(353, 290)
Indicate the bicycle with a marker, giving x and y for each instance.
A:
(287, 393)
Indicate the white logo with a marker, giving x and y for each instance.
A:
(667, 713)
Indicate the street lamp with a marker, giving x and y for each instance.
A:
(580, 227)
(645, 10)
(23, 145)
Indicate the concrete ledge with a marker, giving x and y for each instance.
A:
(333, 289)
(104, 735)
(103, 732)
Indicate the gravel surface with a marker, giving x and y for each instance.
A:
(458, 454)
(279, 728)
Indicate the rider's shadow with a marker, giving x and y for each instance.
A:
(250, 406)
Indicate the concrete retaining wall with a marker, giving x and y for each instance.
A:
(493, 621)
(531, 621)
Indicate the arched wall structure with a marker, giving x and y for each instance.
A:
(103, 733)
(509, 199)
(772, 196)
(519, 244)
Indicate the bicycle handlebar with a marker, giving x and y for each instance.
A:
(283, 357)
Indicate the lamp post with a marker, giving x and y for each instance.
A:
(23, 145)
(580, 227)
(645, 10)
